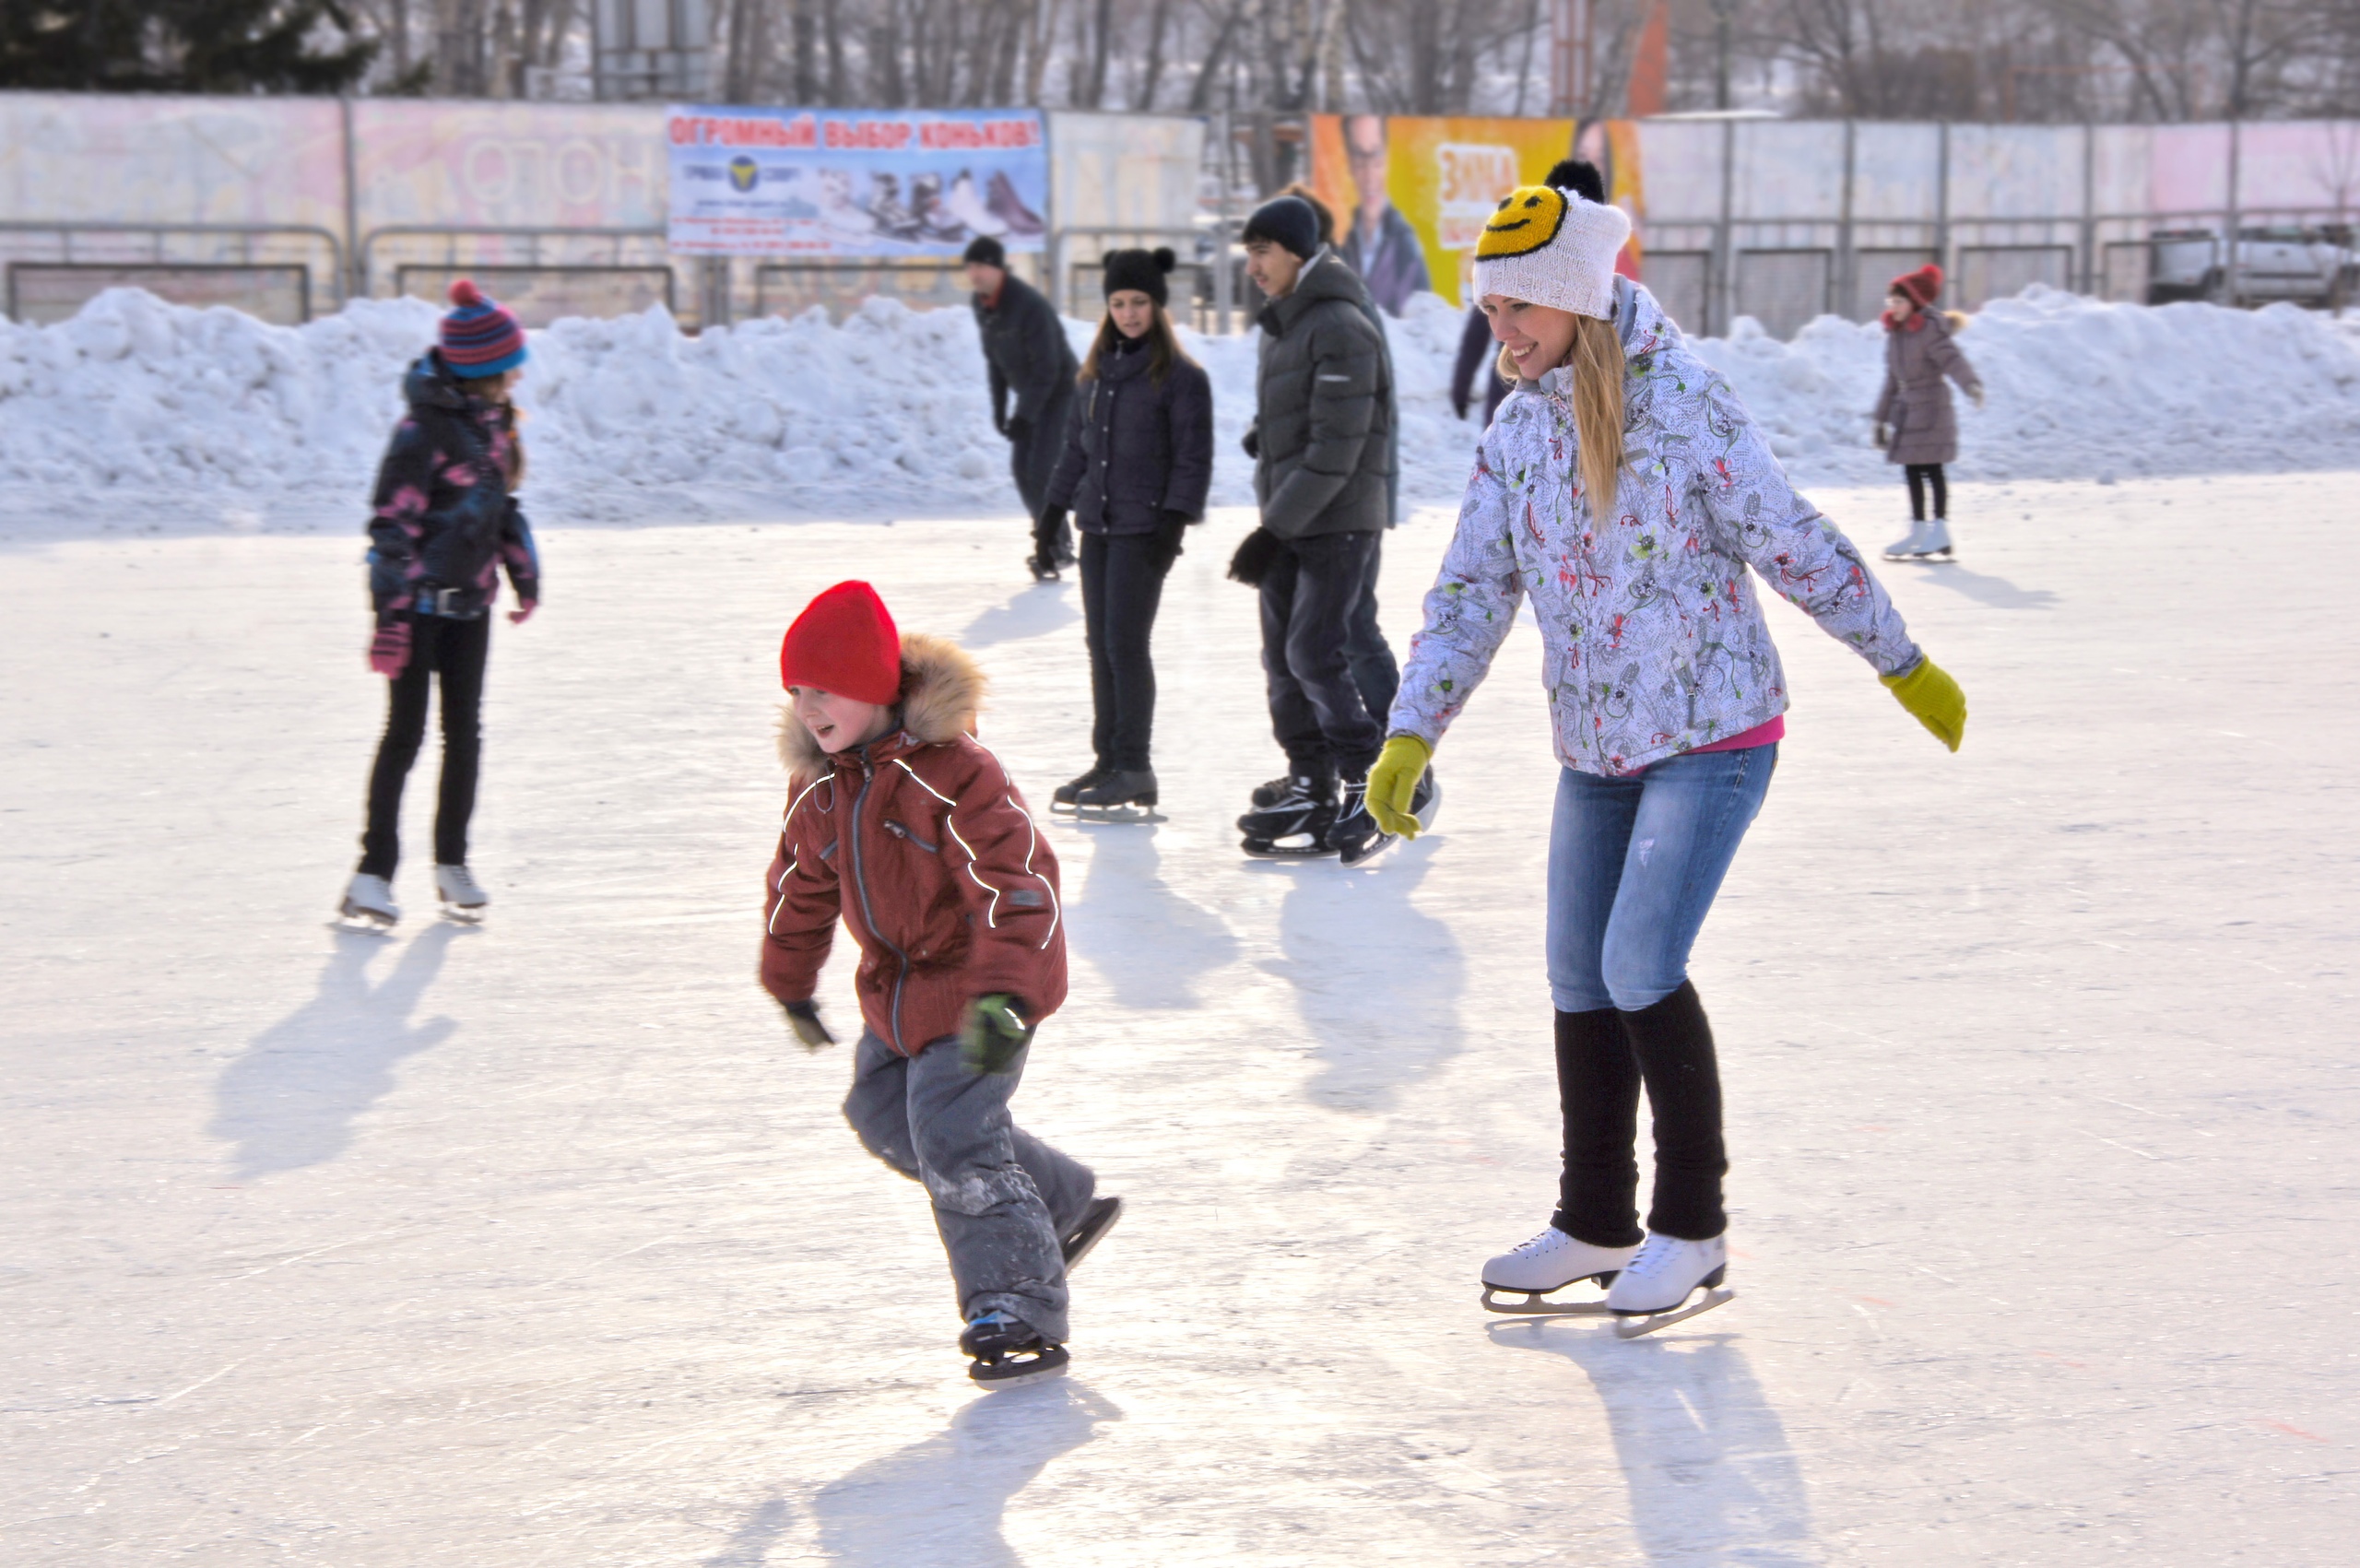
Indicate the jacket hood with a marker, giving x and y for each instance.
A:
(430, 384)
(941, 690)
(1325, 277)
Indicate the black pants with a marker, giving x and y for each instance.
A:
(1310, 595)
(1373, 670)
(1604, 1059)
(1033, 461)
(1920, 477)
(1122, 584)
(456, 650)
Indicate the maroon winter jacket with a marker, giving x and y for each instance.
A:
(923, 846)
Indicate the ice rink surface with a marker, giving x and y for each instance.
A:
(544, 1245)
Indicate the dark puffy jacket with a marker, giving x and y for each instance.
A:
(920, 844)
(443, 517)
(1025, 344)
(1324, 410)
(1135, 448)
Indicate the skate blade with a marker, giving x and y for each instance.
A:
(1632, 1324)
(1118, 815)
(361, 920)
(1289, 848)
(1536, 1305)
(1051, 1362)
(1087, 1242)
(464, 915)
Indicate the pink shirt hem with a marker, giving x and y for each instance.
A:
(1760, 735)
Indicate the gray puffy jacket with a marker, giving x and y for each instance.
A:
(1324, 410)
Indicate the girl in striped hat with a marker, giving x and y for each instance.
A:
(444, 524)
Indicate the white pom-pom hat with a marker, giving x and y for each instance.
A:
(1551, 247)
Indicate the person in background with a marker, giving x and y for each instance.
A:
(445, 522)
(1915, 424)
(1024, 344)
(1381, 247)
(1138, 461)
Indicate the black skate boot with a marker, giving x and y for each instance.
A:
(1270, 792)
(1357, 838)
(1008, 1351)
(1043, 564)
(1090, 1229)
(1122, 794)
(1293, 827)
(1070, 793)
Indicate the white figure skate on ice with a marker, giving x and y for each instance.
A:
(369, 904)
(1906, 546)
(1935, 544)
(1551, 1261)
(463, 897)
(1654, 1289)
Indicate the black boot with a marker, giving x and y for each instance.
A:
(1597, 1094)
(1119, 787)
(1070, 793)
(1674, 1043)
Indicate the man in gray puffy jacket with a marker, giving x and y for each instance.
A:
(1321, 441)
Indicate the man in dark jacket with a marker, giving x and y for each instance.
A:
(1321, 439)
(1025, 344)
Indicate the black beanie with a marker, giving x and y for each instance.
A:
(1288, 221)
(986, 251)
(1142, 270)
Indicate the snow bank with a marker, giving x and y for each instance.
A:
(137, 405)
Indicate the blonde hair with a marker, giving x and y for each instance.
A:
(1596, 360)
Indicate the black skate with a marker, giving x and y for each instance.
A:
(1293, 827)
(1357, 838)
(1043, 564)
(1069, 794)
(1270, 792)
(1123, 794)
(1096, 1220)
(1010, 1352)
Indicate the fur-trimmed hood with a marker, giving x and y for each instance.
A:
(942, 688)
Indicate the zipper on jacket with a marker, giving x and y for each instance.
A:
(908, 835)
(867, 916)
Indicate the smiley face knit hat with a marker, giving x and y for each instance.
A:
(1549, 245)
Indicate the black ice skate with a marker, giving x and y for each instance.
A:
(1122, 794)
(1088, 1232)
(1010, 1352)
(1068, 793)
(1356, 837)
(1293, 827)
(1043, 564)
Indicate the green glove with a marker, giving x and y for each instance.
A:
(1393, 784)
(1932, 697)
(993, 1033)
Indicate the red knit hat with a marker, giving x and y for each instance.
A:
(480, 337)
(1923, 286)
(844, 641)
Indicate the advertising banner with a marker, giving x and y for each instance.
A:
(1411, 193)
(856, 183)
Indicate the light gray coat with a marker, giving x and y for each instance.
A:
(1915, 405)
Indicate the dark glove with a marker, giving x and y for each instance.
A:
(1884, 436)
(389, 649)
(1460, 401)
(1171, 529)
(993, 1034)
(1049, 529)
(1252, 442)
(1254, 557)
(1000, 420)
(1018, 429)
(804, 1018)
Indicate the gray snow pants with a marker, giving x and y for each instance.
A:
(1001, 1197)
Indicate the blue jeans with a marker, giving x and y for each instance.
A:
(1634, 864)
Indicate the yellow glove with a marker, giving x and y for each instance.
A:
(1393, 784)
(1932, 697)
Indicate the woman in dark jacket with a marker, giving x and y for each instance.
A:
(1137, 460)
(446, 521)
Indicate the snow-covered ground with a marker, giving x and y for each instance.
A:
(209, 421)
(543, 1245)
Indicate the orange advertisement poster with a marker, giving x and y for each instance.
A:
(1410, 192)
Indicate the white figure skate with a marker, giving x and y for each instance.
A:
(369, 904)
(463, 897)
(1654, 1289)
(1935, 544)
(1905, 546)
(1551, 1261)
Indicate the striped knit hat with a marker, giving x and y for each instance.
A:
(479, 337)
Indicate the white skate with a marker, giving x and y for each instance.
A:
(369, 904)
(1903, 548)
(1551, 1261)
(1653, 1290)
(463, 897)
(1935, 542)
(964, 204)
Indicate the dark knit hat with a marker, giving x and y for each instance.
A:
(480, 337)
(1288, 221)
(985, 251)
(1923, 286)
(844, 641)
(1580, 176)
(1142, 270)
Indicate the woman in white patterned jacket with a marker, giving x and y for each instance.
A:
(1667, 698)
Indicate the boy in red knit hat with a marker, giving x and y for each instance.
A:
(901, 824)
